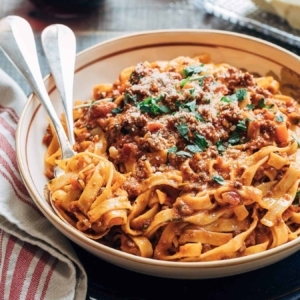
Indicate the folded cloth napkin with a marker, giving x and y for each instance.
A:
(36, 260)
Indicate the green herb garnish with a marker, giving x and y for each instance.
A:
(200, 141)
(183, 130)
(241, 94)
(191, 106)
(228, 99)
(193, 148)
(250, 106)
(238, 96)
(297, 139)
(117, 110)
(220, 147)
(200, 79)
(241, 125)
(130, 98)
(172, 149)
(184, 154)
(199, 118)
(151, 106)
(190, 70)
(192, 92)
(218, 179)
(92, 103)
(279, 118)
(184, 82)
(235, 138)
(262, 104)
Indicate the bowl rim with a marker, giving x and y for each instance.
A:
(70, 230)
(176, 31)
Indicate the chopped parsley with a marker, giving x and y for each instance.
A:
(92, 103)
(200, 141)
(241, 125)
(192, 92)
(228, 99)
(239, 96)
(250, 106)
(279, 118)
(295, 137)
(218, 179)
(220, 147)
(194, 148)
(184, 82)
(178, 153)
(117, 110)
(262, 104)
(199, 145)
(183, 130)
(172, 149)
(200, 79)
(235, 138)
(191, 107)
(191, 70)
(130, 98)
(150, 105)
(184, 154)
(199, 118)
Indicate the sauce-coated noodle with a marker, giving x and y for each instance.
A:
(182, 160)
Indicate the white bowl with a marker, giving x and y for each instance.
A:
(102, 63)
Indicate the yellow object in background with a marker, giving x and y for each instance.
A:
(289, 10)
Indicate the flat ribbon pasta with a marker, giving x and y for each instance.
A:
(182, 160)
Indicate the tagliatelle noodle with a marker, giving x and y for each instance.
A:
(182, 160)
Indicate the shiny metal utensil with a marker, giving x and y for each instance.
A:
(18, 43)
(59, 44)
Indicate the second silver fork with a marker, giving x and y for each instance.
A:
(59, 44)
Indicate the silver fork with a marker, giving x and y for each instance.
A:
(59, 44)
(18, 43)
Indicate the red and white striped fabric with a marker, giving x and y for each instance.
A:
(36, 261)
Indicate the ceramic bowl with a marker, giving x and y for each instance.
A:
(102, 63)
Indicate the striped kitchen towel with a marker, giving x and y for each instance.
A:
(36, 260)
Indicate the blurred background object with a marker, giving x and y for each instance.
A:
(268, 17)
(66, 8)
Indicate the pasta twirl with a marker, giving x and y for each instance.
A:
(182, 160)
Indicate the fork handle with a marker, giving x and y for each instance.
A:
(59, 45)
(18, 43)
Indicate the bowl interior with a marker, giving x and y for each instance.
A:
(103, 63)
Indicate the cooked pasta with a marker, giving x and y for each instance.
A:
(182, 160)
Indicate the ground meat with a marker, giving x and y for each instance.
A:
(132, 187)
(234, 78)
(151, 82)
(102, 110)
(194, 121)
